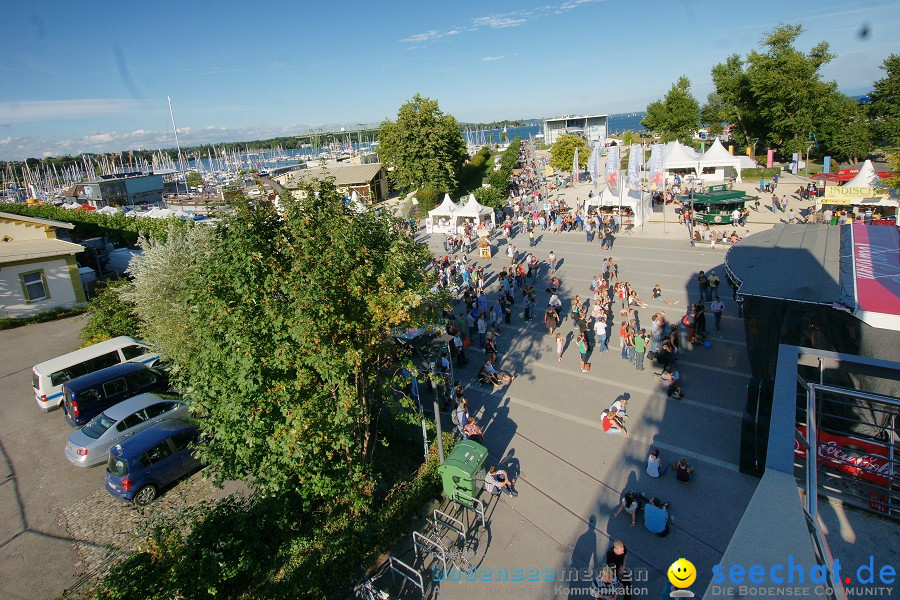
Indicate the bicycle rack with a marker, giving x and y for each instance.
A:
(470, 503)
(429, 546)
(407, 572)
(453, 524)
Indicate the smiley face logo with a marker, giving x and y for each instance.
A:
(682, 573)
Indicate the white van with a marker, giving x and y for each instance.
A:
(48, 377)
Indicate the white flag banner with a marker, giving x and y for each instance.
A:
(612, 169)
(635, 160)
(594, 166)
(575, 167)
(657, 167)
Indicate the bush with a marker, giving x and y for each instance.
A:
(489, 196)
(428, 198)
(118, 228)
(269, 547)
(759, 173)
(42, 317)
(110, 316)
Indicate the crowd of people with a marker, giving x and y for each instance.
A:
(610, 309)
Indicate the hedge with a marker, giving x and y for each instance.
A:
(42, 317)
(759, 173)
(118, 229)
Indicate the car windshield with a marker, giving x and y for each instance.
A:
(98, 426)
(117, 466)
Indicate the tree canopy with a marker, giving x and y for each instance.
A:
(676, 116)
(562, 153)
(423, 147)
(777, 96)
(884, 106)
(278, 328)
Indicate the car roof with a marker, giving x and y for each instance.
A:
(61, 362)
(104, 375)
(151, 436)
(122, 409)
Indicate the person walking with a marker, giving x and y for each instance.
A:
(560, 345)
(551, 320)
(552, 260)
(582, 349)
(703, 284)
(717, 307)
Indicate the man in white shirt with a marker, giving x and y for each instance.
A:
(600, 331)
(717, 307)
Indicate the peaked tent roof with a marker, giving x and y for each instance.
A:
(472, 208)
(718, 155)
(677, 157)
(446, 208)
(867, 177)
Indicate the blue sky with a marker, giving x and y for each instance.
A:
(90, 77)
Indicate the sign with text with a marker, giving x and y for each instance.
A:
(845, 192)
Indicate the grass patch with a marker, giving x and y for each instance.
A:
(42, 317)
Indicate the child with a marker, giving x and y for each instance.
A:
(559, 346)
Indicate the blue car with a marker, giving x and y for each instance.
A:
(139, 467)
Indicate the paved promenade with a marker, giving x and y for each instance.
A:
(544, 427)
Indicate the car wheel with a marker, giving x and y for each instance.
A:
(145, 495)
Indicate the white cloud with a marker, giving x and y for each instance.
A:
(496, 58)
(422, 37)
(43, 110)
(499, 21)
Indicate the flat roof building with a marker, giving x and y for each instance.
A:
(121, 189)
(593, 128)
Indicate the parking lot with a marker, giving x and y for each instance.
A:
(57, 522)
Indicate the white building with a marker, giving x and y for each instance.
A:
(37, 271)
(593, 128)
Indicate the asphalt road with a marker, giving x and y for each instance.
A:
(37, 558)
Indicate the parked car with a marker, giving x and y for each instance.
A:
(48, 377)
(147, 462)
(90, 445)
(87, 396)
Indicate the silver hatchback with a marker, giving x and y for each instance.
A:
(90, 445)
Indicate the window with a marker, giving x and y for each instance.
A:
(156, 454)
(103, 361)
(141, 379)
(34, 286)
(98, 426)
(117, 466)
(132, 420)
(64, 375)
(183, 440)
(114, 387)
(159, 408)
(133, 351)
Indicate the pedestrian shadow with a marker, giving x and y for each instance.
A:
(510, 464)
(584, 557)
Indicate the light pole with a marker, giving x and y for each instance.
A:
(753, 145)
(809, 145)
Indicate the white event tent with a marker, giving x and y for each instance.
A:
(719, 158)
(640, 204)
(476, 213)
(866, 177)
(442, 219)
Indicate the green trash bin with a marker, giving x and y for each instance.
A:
(463, 471)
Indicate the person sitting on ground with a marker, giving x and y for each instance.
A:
(655, 466)
(634, 300)
(497, 377)
(682, 470)
(656, 517)
(631, 503)
(485, 378)
(553, 285)
(669, 379)
(657, 293)
(497, 480)
(473, 432)
(612, 422)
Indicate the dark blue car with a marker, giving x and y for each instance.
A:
(142, 465)
(87, 396)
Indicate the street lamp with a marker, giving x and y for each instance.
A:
(809, 145)
(753, 144)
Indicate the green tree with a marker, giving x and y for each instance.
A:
(286, 341)
(110, 316)
(846, 131)
(675, 117)
(894, 162)
(714, 113)
(738, 104)
(562, 154)
(490, 196)
(884, 108)
(628, 138)
(423, 146)
(194, 179)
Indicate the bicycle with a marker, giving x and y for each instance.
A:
(456, 557)
(367, 590)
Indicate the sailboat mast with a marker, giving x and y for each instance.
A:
(178, 147)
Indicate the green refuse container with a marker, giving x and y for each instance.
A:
(463, 471)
